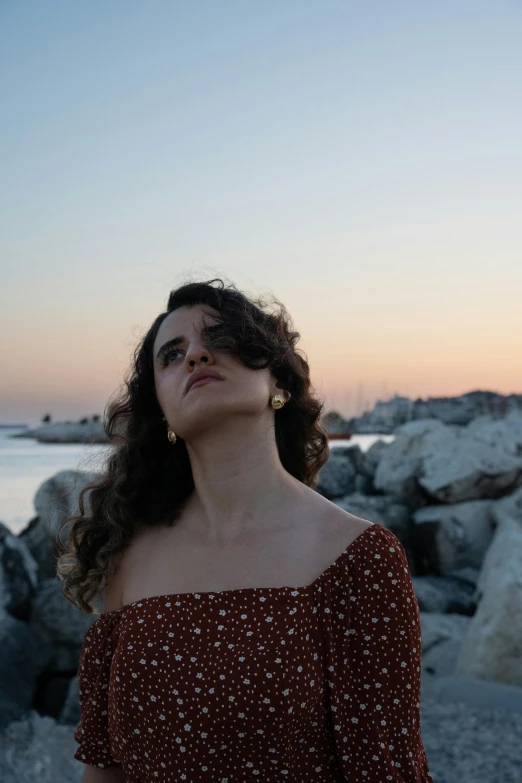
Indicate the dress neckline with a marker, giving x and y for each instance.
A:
(246, 590)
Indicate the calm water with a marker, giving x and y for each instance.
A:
(25, 464)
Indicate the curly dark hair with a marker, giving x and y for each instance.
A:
(136, 489)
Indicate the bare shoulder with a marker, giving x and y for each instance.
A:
(335, 524)
(136, 549)
(348, 526)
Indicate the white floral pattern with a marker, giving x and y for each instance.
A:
(318, 683)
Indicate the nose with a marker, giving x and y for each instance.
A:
(196, 353)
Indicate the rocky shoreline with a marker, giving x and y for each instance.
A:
(66, 432)
(452, 494)
(387, 415)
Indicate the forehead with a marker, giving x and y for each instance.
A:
(184, 321)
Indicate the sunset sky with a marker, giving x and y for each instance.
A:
(361, 161)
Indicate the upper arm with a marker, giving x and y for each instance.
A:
(376, 650)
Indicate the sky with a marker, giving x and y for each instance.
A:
(360, 161)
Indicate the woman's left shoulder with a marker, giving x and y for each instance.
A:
(369, 545)
(366, 543)
(349, 529)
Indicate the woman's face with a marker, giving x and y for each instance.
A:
(242, 391)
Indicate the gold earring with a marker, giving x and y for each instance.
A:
(277, 401)
(171, 436)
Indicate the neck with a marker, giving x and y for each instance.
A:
(241, 487)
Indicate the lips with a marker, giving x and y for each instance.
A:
(201, 375)
(203, 381)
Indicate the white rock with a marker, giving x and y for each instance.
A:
(401, 462)
(492, 647)
(453, 536)
(482, 460)
(55, 499)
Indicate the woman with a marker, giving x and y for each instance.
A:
(251, 629)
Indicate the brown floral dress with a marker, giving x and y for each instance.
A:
(318, 683)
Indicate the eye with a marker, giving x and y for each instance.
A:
(166, 356)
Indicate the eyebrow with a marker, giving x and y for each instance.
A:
(169, 344)
(177, 340)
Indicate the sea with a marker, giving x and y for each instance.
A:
(25, 464)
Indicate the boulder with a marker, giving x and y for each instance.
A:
(452, 594)
(55, 499)
(52, 693)
(448, 537)
(18, 575)
(378, 508)
(491, 649)
(442, 636)
(60, 623)
(337, 476)
(473, 692)
(365, 464)
(452, 464)
(463, 409)
(401, 462)
(372, 457)
(70, 713)
(363, 485)
(25, 655)
(482, 460)
(387, 415)
(508, 506)
(354, 453)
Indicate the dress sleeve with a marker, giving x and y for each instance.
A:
(92, 733)
(375, 666)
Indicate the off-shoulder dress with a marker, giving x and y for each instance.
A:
(318, 683)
